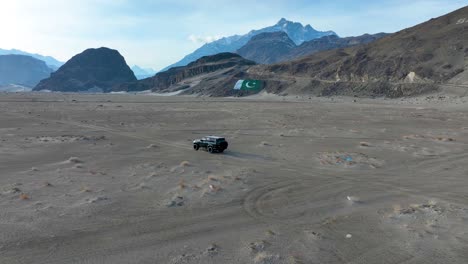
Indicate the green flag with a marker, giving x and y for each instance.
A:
(248, 85)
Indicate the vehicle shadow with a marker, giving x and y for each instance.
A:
(248, 156)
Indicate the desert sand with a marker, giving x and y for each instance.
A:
(114, 179)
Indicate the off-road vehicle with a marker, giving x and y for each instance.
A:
(211, 143)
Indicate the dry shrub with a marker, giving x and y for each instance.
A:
(265, 258)
(445, 139)
(214, 188)
(182, 184)
(212, 178)
(74, 160)
(85, 189)
(364, 144)
(294, 260)
(185, 164)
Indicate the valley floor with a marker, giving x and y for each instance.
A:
(114, 179)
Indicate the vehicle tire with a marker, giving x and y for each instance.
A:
(196, 146)
(210, 149)
(221, 150)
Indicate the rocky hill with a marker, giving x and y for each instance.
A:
(272, 47)
(213, 75)
(22, 70)
(413, 61)
(296, 32)
(97, 70)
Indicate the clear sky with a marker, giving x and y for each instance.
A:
(156, 33)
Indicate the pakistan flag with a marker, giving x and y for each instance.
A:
(248, 85)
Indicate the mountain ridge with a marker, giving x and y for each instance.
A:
(53, 63)
(274, 47)
(412, 61)
(296, 31)
(22, 70)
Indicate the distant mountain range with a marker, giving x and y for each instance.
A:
(296, 32)
(51, 62)
(142, 73)
(22, 70)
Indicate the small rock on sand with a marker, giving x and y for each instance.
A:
(74, 160)
(266, 258)
(185, 164)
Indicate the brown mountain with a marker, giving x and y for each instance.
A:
(213, 75)
(92, 70)
(413, 61)
(273, 47)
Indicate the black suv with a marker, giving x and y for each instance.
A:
(211, 143)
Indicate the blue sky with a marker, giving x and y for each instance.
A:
(156, 33)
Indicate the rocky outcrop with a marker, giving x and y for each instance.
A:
(178, 78)
(92, 70)
(22, 70)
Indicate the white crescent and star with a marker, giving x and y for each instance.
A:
(250, 86)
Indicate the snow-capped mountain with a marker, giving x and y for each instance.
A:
(296, 31)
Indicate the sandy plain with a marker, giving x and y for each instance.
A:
(114, 179)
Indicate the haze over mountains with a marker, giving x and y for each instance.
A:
(296, 31)
(142, 73)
